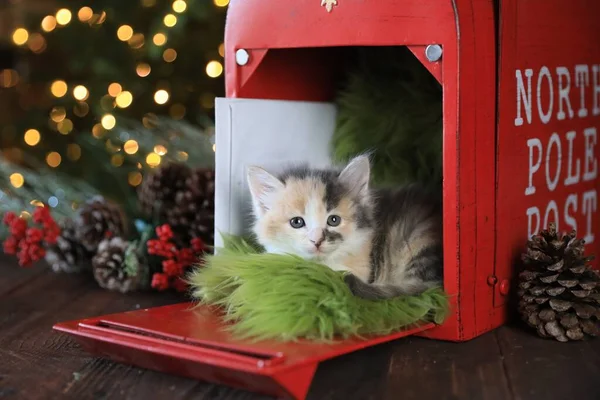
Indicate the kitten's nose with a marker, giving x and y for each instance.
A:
(318, 242)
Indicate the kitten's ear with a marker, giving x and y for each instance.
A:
(262, 187)
(356, 176)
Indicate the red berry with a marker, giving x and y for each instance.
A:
(9, 217)
(34, 235)
(197, 245)
(18, 228)
(160, 281)
(164, 232)
(41, 215)
(179, 284)
(11, 245)
(172, 268)
(186, 256)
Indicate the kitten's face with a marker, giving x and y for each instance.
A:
(312, 214)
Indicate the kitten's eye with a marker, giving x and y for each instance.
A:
(333, 220)
(297, 222)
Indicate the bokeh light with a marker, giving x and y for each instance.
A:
(160, 150)
(114, 89)
(117, 159)
(73, 151)
(57, 114)
(124, 99)
(161, 96)
(8, 78)
(143, 69)
(53, 159)
(177, 111)
(170, 20)
(131, 147)
(136, 41)
(58, 88)
(80, 92)
(85, 14)
(20, 36)
(153, 159)
(16, 180)
(36, 43)
(63, 16)
(169, 55)
(159, 39)
(179, 6)
(221, 3)
(124, 33)
(214, 69)
(65, 126)
(108, 121)
(134, 178)
(32, 137)
(48, 23)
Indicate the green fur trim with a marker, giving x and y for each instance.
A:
(284, 297)
(391, 106)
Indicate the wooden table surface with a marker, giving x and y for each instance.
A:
(37, 363)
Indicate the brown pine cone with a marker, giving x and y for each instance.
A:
(158, 190)
(558, 292)
(98, 219)
(112, 268)
(192, 215)
(68, 254)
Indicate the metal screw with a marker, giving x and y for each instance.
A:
(433, 52)
(504, 287)
(492, 280)
(242, 57)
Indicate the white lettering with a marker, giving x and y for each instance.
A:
(551, 207)
(533, 168)
(563, 92)
(554, 139)
(531, 212)
(590, 165)
(572, 179)
(595, 73)
(523, 95)
(590, 205)
(582, 79)
(572, 202)
(545, 116)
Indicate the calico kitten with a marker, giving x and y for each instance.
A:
(389, 239)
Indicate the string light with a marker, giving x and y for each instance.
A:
(20, 36)
(53, 159)
(170, 20)
(73, 151)
(48, 23)
(17, 180)
(124, 99)
(114, 89)
(153, 160)
(169, 55)
(32, 137)
(108, 121)
(214, 69)
(9, 78)
(36, 43)
(65, 126)
(131, 147)
(80, 92)
(63, 16)
(222, 49)
(159, 39)
(161, 96)
(136, 41)
(124, 33)
(85, 14)
(221, 3)
(179, 6)
(117, 159)
(134, 178)
(57, 114)
(58, 88)
(143, 70)
(160, 150)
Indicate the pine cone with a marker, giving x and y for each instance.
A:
(558, 292)
(67, 255)
(193, 213)
(158, 190)
(112, 268)
(98, 219)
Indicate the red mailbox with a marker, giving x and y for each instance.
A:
(521, 112)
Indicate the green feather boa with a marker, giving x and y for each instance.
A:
(284, 297)
(391, 106)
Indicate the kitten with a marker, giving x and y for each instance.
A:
(389, 239)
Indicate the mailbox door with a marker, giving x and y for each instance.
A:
(548, 121)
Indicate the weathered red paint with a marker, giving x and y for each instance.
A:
(296, 50)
